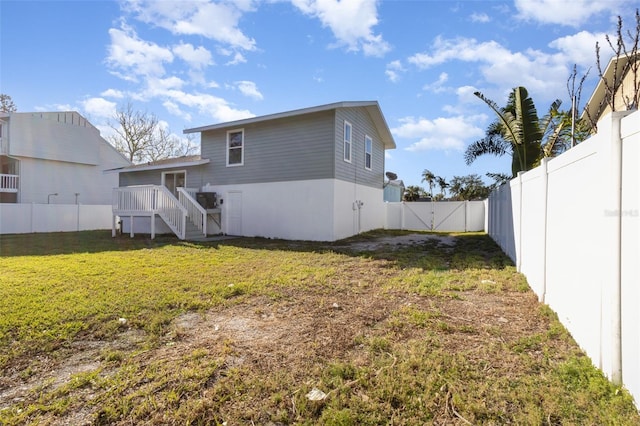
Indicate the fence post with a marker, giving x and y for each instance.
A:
(31, 219)
(519, 242)
(545, 186)
(616, 191)
(467, 214)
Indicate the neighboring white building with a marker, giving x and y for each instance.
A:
(56, 158)
(310, 174)
(393, 191)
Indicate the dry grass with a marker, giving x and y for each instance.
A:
(392, 328)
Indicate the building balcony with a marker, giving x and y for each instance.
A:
(8, 183)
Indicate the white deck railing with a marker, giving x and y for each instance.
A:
(134, 199)
(8, 183)
(151, 200)
(195, 212)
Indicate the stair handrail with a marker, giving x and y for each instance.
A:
(171, 211)
(195, 212)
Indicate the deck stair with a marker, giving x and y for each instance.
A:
(183, 215)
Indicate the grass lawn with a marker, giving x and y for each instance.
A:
(384, 328)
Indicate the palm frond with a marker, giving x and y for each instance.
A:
(493, 145)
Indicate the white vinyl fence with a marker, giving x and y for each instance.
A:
(444, 216)
(572, 226)
(29, 218)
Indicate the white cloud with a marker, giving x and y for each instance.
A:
(393, 71)
(249, 89)
(54, 107)
(464, 49)
(544, 74)
(128, 54)
(214, 20)
(113, 93)
(238, 58)
(159, 86)
(99, 107)
(562, 12)
(174, 109)
(580, 48)
(444, 133)
(351, 22)
(483, 18)
(197, 58)
(466, 94)
(206, 104)
(438, 85)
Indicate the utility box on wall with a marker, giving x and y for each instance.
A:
(208, 200)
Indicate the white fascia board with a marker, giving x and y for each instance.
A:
(140, 168)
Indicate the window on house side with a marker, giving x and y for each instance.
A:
(347, 141)
(368, 146)
(235, 148)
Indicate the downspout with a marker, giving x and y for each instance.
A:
(616, 175)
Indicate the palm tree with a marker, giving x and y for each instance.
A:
(442, 183)
(516, 131)
(412, 193)
(429, 178)
(557, 135)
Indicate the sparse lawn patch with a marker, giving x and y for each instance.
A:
(437, 329)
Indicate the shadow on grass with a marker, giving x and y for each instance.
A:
(440, 251)
(56, 243)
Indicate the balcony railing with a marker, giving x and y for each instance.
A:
(8, 183)
(151, 199)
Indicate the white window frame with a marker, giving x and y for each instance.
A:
(348, 143)
(368, 153)
(241, 163)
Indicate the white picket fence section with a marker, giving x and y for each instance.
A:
(439, 216)
(32, 218)
(572, 226)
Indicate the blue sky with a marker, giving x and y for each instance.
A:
(203, 62)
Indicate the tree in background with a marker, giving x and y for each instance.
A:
(470, 187)
(623, 47)
(6, 103)
(413, 193)
(142, 138)
(429, 178)
(580, 129)
(498, 179)
(516, 131)
(442, 183)
(519, 131)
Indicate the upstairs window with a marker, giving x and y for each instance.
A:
(235, 148)
(347, 141)
(368, 146)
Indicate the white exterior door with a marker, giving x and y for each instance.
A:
(234, 213)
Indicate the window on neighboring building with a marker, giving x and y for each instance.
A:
(368, 146)
(235, 148)
(347, 141)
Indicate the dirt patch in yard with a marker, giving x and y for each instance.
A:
(346, 339)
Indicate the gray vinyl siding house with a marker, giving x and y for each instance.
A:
(287, 175)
